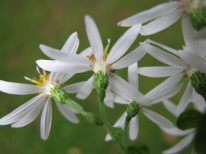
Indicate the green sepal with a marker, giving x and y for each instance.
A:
(59, 94)
(138, 148)
(118, 130)
(101, 81)
(133, 109)
(198, 17)
(198, 80)
(188, 119)
(94, 119)
(200, 137)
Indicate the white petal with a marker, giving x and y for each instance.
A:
(86, 52)
(167, 84)
(31, 115)
(150, 14)
(94, 38)
(163, 56)
(193, 60)
(159, 71)
(109, 98)
(176, 132)
(64, 56)
(133, 76)
(86, 89)
(62, 67)
(161, 23)
(71, 43)
(21, 111)
(117, 83)
(185, 99)
(197, 46)
(133, 128)
(168, 93)
(46, 118)
(170, 106)
(67, 112)
(74, 88)
(201, 34)
(123, 44)
(163, 46)
(120, 100)
(157, 118)
(199, 102)
(65, 78)
(180, 145)
(129, 59)
(19, 88)
(120, 122)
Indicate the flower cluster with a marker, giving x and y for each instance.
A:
(188, 63)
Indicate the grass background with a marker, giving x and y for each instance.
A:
(26, 24)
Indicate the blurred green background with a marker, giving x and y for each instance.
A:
(26, 24)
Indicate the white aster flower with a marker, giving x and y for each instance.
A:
(163, 15)
(27, 112)
(177, 132)
(96, 59)
(186, 62)
(163, 91)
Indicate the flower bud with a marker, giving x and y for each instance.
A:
(59, 94)
(198, 17)
(100, 81)
(133, 109)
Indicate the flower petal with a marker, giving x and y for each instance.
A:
(180, 145)
(109, 98)
(193, 60)
(31, 115)
(74, 88)
(62, 67)
(46, 118)
(120, 100)
(129, 59)
(176, 132)
(123, 44)
(199, 102)
(170, 106)
(159, 71)
(67, 112)
(86, 89)
(157, 118)
(161, 23)
(150, 14)
(23, 110)
(163, 56)
(120, 122)
(19, 88)
(86, 52)
(94, 38)
(117, 84)
(64, 56)
(71, 44)
(185, 99)
(133, 128)
(133, 76)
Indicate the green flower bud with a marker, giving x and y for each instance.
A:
(118, 130)
(198, 80)
(198, 17)
(133, 109)
(94, 119)
(100, 81)
(59, 94)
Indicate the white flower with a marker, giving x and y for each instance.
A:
(96, 59)
(163, 91)
(177, 132)
(163, 15)
(27, 112)
(185, 63)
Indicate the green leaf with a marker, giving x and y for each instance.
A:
(200, 138)
(138, 148)
(189, 119)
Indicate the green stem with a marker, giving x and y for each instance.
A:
(68, 102)
(120, 146)
(126, 126)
